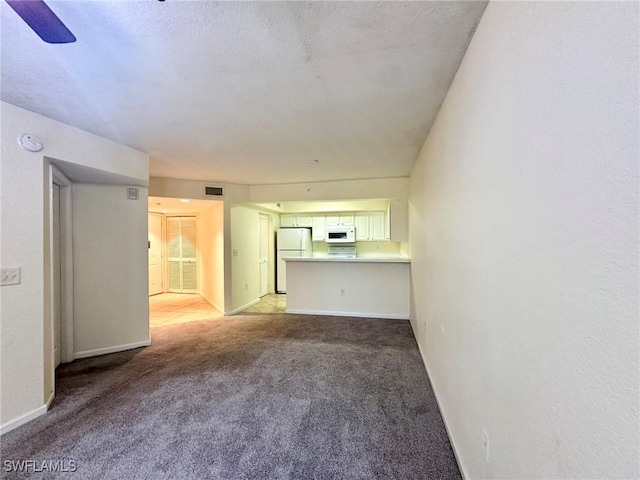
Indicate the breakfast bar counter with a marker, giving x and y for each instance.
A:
(364, 286)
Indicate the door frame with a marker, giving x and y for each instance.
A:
(66, 265)
(263, 242)
(163, 279)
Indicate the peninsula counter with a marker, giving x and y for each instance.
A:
(364, 286)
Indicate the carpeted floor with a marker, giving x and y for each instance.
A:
(246, 397)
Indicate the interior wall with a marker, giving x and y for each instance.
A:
(367, 205)
(211, 248)
(339, 190)
(111, 287)
(524, 244)
(245, 246)
(24, 211)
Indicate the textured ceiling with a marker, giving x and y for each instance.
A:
(247, 92)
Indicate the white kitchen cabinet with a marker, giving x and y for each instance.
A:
(397, 221)
(318, 228)
(295, 220)
(370, 226)
(340, 219)
(362, 226)
(304, 220)
(287, 220)
(377, 226)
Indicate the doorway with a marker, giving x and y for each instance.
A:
(61, 268)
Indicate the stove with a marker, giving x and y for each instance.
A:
(341, 251)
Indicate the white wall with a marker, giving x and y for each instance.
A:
(25, 385)
(110, 269)
(524, 244)
(245, 246)
(211, 249)
(367, 205)
(341, 190)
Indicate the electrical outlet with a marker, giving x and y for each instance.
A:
(342, 292)
(485, 444)
(10, 276)
(246, 286)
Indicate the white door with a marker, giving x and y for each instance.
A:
(264, 255)
(182, 254)
(57, 277)
(155, 254)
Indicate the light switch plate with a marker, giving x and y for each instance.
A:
(10, 276)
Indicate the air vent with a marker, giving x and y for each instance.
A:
(213, 191)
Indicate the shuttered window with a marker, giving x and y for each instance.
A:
(182, 254)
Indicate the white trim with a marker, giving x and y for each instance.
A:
(66, 263)
(163, 279)
(115, 349)
(332, 313)
(463, 470)
(243, 307)
(50, 400)
(26, 418)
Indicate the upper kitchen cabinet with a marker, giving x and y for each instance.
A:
(295, 220)
(398, 221)
(318, 229)
(370, 226)
(340, 219)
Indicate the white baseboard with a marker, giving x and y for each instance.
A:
(463, 470)
(26, 418)
(115, 349)
(332, 313)
(50, 400)
(243, 307)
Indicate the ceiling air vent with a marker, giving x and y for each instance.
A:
(213, 191)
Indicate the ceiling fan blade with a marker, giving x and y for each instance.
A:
(42, 20)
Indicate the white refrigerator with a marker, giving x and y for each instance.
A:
(291, 242)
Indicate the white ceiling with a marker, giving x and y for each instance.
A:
(247, 92)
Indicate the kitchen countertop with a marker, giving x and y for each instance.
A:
(359, 259)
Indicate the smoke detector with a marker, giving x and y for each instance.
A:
(30, 142)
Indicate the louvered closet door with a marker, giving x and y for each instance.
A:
(181, 254)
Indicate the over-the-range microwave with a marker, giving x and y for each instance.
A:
(341, 234)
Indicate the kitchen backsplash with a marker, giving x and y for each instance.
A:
(388, 248)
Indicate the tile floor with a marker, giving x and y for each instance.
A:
(270, 303)
(172, 308)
